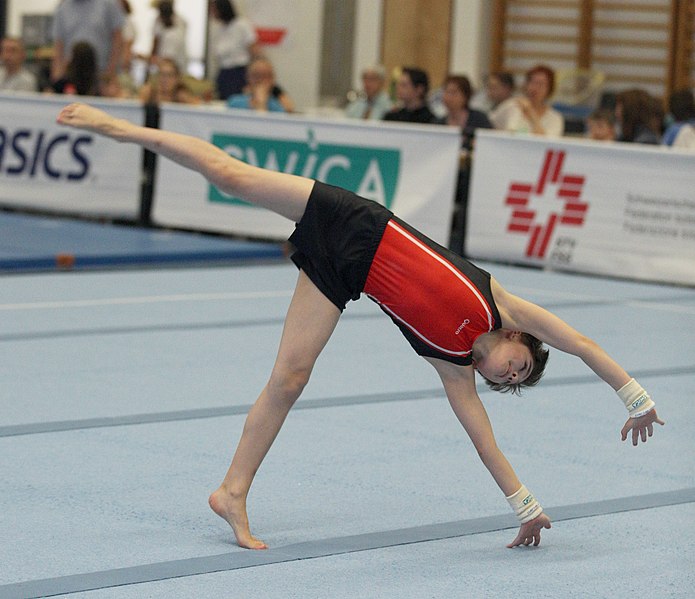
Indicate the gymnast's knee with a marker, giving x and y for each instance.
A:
(286, 384)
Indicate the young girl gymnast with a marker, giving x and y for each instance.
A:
(454, 314)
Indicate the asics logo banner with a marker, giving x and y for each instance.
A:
(35, 153)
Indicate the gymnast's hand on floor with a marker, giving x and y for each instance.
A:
(530, 532)
(641, 427)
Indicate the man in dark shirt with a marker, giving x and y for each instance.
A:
(412, 88)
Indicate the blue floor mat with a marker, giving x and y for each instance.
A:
(43, 243)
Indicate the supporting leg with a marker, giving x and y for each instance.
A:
(310, 321)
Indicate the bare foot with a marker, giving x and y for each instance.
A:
(233, 510)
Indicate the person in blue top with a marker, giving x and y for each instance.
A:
(261, 93)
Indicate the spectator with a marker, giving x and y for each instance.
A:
(601, 125)
(81, 75)
(169, 35)
(128, 34)
(13, 74)
(373, 102)
(235, 45)
(112, 87)
(634, 114)
(531, 112)
(167, 86)
(456, 98)
(411, 90)
(681, 133)
(261, 93)
(97, 22)
(499, 87)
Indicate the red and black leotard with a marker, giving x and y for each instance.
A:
(348, 245)
(440, 301)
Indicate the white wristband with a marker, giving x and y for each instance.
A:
(524, 505)
(636, 399)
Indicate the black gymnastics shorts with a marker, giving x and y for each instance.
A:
(336, 241)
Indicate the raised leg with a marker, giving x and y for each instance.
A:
(310, 321)
(280, 192)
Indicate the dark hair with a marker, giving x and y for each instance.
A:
(637, 112)
(418, 78)
(166, 13)
(544, 70)
(464, 85)
(505, 78)
(681, 104)
(81, 71)
(539, 355)
(225, 10)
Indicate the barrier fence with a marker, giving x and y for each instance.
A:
(612, 209)
(624, 210)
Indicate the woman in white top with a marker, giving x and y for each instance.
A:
(531, 112)
(235, 44)
(169, 36)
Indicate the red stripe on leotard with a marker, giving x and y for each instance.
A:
(426, 293)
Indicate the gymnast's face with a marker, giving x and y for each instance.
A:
(507, 361)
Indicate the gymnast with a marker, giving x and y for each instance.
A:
(454, 314)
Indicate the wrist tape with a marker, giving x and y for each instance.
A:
(635, 398)
(524, 505)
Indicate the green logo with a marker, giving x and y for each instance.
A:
(369, 172)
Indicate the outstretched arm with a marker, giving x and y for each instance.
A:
(459, 384)
(280, 192)
(519, 314)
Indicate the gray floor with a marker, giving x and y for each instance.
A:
(124, 394)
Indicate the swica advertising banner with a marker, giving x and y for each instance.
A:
(409, 169)
(617, 209)
(46, 166)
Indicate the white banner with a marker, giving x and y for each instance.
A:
(617, 209)
(410, 169)
(50, 167)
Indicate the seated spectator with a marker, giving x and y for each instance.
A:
(499, 87)
(373, 102)
(13, 75)
(234, 45)
(634, 115)
(457, 93)
(411, 91)
(111, 86)
(261, 93)
(456, 97)
(167, 86)
(601, 125)
(681, 133)
(531, 112)
(81, 73)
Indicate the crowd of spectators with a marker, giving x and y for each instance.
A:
(93, 54)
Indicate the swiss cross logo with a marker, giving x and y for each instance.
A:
(562, 194)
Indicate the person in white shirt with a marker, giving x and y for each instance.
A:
(169, 34)
(531, 112)
(13, 75)
(373, 102)
(234, 46)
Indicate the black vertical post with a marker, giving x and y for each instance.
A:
(3, 18)
(149, 168)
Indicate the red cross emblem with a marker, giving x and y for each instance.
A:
(568, 191)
